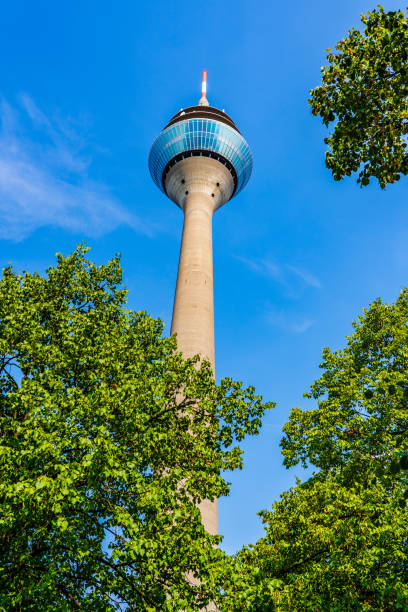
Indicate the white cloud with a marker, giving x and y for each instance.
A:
(283, 274)
(302, 326)
(284, 321)
(264, 267)
(44, 178)
(251, 263)
(293, 281)
(306, 277)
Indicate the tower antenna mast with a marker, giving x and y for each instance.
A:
(203, 100)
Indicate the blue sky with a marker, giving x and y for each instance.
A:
(85, 88)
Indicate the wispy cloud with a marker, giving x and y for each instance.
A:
(284, 274)
(301, 326)
(264, 267)
(293, 281)
(282, 320)
(306, 277)
(44, 178)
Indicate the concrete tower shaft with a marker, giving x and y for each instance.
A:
(193, 311)
(199, 185)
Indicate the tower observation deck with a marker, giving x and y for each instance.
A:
(200, 160)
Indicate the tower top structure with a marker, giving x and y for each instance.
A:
(201, 131)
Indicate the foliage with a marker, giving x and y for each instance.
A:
(364, 90)
(102, 458)
(339, 541)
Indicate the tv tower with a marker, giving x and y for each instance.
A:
(200, 160)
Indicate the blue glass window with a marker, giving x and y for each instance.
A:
(203, 134)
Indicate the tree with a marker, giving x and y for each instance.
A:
(364, 92)
(108, 440)
(339, 541)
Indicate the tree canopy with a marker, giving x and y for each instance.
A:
(339, 541)
(108, 440)
(364, 93)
